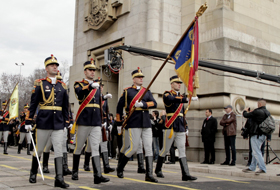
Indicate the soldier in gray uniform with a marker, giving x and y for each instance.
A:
(88, 121)
(23, 132)
(175, 128)
(47, 148)
(4, 127)
(138, 125)
(103, 144)
(51, 96)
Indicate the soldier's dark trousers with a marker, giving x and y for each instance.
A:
(98, 178)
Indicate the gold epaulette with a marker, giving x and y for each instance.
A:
(166, 93)
(127, 88)
(63, 85)
(37, 82)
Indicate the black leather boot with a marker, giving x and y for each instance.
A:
(46, 156)
(5, 147)
(28, 149)
(98, 178)
(66, 171)
(140, 159)
(75, 169)
(19, 148)
(121, 166)
(106, 166)
(34, 170)
(159, 166)
(120, 158)
(185, 170)
(149, 170)
(59, 181)
(86, 162)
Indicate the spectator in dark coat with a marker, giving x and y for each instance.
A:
(208, 131)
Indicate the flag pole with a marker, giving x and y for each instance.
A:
(199, 13)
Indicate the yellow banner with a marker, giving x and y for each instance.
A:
(13, 105)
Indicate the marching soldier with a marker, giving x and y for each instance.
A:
(103, 144)
(51, 96)
(47, 148)
(4, 127)
(23, 132)
(174, 128)
(138, 124)
(88, 121)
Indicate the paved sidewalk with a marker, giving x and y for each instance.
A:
(272, 170)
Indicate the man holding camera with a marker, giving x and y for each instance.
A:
(257, 138)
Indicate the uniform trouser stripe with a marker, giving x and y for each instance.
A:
(92, 133)
(180, 140)
(123, 141)
(131, 142)
(164, 143)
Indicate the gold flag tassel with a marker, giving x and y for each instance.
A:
(73, 128)
(171, 133)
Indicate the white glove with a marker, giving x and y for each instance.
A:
(110, 128)
(94, 85)
(28, 127)
(195, 98)
(119, 130)
(187, 132)
(104, 124)
(108, 96)
(138, 104)
(1, 117)
(70, 126)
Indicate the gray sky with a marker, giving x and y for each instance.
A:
(32, 30)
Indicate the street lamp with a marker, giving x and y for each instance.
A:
(20, 65)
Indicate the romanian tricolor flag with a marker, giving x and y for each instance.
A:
(185, 58)
(13, 105)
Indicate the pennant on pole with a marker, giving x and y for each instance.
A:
(13, 105)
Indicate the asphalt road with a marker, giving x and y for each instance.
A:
(14, 174)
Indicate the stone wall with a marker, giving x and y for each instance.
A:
(237, 30)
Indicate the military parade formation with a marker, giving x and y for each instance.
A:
(49, 117)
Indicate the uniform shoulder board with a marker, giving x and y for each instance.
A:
(78, 84)
(127, 88)
(37, 82)
(63, 85)
(166, 93)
